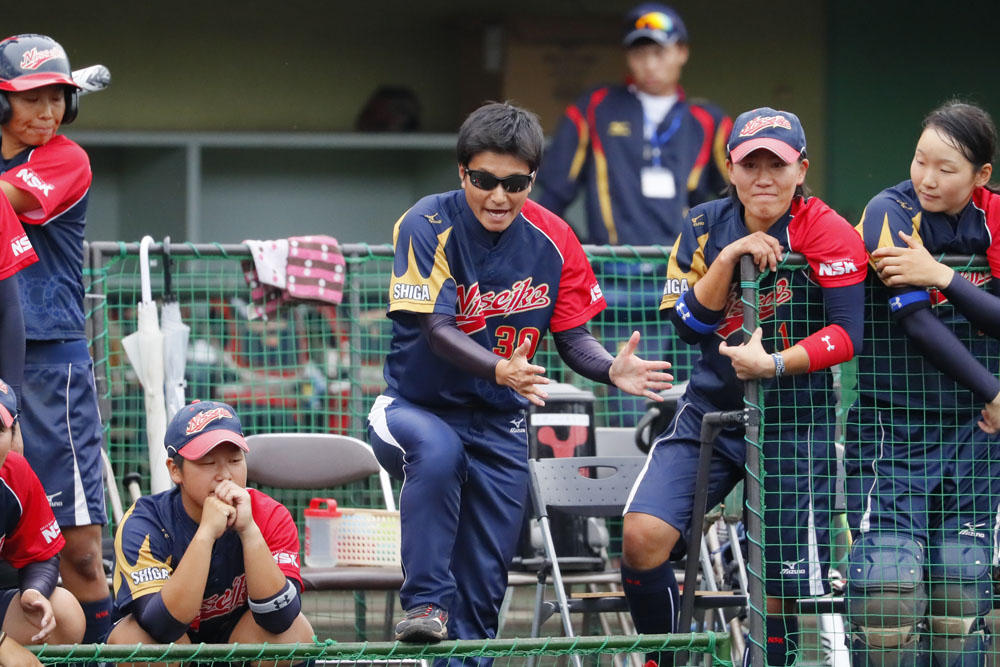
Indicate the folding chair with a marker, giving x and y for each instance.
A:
(323, 461)
(590, 486)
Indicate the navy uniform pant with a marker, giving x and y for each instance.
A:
(462, 504)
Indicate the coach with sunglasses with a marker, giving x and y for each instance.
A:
(479, 276)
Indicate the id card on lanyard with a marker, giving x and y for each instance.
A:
(657, 181)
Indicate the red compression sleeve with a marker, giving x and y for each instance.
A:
(828, 346)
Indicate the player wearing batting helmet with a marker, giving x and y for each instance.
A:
(480, 275)
(813, 321)
(921, 439)
(45, 178)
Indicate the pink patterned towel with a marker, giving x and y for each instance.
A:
(301, 268)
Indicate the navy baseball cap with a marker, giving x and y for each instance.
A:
(8, 404)
(197, 428)
(654, 21)
(778, 131)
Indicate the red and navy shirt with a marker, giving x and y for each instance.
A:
(58, 175)
(155, 533)
(15, 247)
(600, 144)
(889, 362)
(30, 532)
(791, 303)
(502, 291)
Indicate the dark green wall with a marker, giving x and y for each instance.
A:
(889, 64)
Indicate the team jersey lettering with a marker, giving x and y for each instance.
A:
(203, 419)
(33, 58)
(286, 558)
(977, 278)
(148, 574)
(759, 123)
(32, 180)
(769, 302)
(51, 532)
(837, 268)
(20, 245)
(675, 286)
(474, 307)
(222, 603)
(411, 292)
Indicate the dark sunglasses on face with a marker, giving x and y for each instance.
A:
(484, 180)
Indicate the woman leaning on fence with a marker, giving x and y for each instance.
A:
(921, 435)
(814, 322)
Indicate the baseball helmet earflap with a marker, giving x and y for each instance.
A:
(33, 61)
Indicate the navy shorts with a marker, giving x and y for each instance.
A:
(798, 477)
(61, 426)
(916, 472)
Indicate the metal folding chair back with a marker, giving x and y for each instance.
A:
(593, 486)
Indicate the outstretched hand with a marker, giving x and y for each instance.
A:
(637, 376)
(749, 359)
(522, 376)
(912, 265)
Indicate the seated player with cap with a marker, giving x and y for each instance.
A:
(210, 560)
(37, 611)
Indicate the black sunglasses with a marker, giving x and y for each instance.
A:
(484, 180)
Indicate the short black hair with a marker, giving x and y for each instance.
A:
(501, 127)
(970, 130)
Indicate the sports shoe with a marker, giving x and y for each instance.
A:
(423, 625)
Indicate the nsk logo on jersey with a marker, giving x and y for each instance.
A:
(837, 268)
(51, 532)
(203, 419)
(33, 58)
(769, 302)
(474, 307)
(758, 123)
(32, 180)
(20, 245)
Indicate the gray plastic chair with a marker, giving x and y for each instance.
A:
(322, 461)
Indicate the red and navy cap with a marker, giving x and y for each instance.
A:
(33, 61)
(199, 427)
(8, 404)
(656, 22)
(777, 131)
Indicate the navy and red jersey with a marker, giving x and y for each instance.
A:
(791, 302)
(155, 533)
(58, 175)
(30, 531)
(889, 362)
(600, 144)
(502, 290)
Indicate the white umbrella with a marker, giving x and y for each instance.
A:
(145, 352)
(175, 341)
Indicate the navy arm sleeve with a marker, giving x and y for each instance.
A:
(946, 353)
(447, 341)
(581, 352)
(152, 616)
(842, 308)
(11, 335)
(981, 308)
(41, 575)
